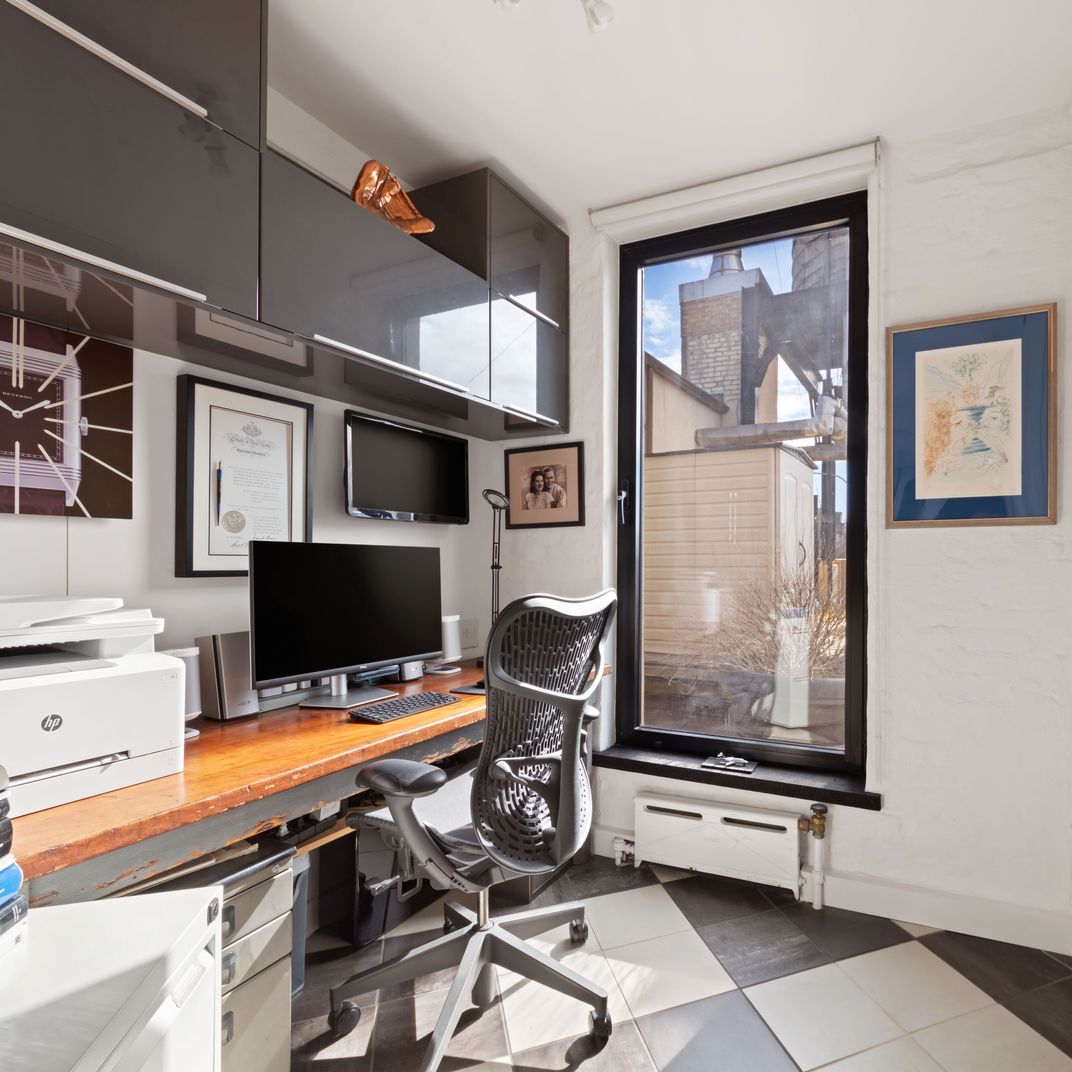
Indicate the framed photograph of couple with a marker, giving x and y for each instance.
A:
(545, 486)
(244, 473)
(972, 420)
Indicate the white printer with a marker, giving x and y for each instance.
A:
(86, 704)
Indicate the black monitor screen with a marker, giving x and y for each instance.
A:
(405, 474)
(324, 608)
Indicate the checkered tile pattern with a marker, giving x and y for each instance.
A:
(710, 975)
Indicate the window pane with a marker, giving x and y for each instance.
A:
(745, 478)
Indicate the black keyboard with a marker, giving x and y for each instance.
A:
(401, 706)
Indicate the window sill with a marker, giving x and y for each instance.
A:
(828, 787)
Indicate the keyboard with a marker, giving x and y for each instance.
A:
(389, 710)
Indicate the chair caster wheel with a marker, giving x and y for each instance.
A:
(578, 931)
(599, 1027)
(344, 1019)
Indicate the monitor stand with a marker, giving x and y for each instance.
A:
(338, 697)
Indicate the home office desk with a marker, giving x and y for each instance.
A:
(240, 778)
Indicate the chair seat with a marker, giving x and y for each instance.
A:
(446, 813)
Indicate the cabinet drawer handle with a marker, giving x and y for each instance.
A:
(227, 1028)
(228, 968)
(71, 253)
(108, 56)
(228, 923)
(408, 370)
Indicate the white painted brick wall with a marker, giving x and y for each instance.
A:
(970, 707)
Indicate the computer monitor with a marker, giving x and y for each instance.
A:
(326, 610)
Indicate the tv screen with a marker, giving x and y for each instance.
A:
(402, 473)
(318, 609)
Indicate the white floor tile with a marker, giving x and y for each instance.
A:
(634, 916)
(991, 1040)
(821, 1015)
(917, 930)
(669, 874)
(670, 970)
(536, 1015)
(903, 1055)
(914, 986)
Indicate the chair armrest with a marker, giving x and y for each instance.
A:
(402, 778)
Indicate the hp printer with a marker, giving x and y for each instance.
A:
(86, 704)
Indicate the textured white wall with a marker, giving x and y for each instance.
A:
(970, 701)
(135, 559)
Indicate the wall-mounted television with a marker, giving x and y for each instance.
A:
(398, 472)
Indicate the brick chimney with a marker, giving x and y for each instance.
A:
(711, 318)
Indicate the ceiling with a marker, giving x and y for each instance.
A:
(672, 93)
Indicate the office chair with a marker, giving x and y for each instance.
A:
(524, 809)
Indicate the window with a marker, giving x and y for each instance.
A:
(742, 459)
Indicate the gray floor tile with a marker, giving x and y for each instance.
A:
(328, 969)
(707, 899)
(1049, 1011)
(1000, 969)
(719, 1034)
(779, 896)
(765, 946)
(840, 933)
(403, 1028)
(624, 1051)
(600, 875)
(1063, 958)
(403, 943)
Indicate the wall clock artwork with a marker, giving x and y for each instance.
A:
(66, 423)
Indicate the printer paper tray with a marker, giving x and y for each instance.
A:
(70, 768)
(50, 788)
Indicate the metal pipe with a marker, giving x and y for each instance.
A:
(830, 420)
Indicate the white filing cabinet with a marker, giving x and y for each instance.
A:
(127, 985)
(258, 892)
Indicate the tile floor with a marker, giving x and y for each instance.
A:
(712, 975)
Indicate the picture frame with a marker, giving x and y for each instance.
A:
(971, 420)
(243, 471)
(543, 502)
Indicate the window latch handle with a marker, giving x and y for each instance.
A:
(623, 494)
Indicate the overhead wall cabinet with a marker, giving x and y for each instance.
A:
(336, 273)
(209, 52)
(104, 169)
(484, 225)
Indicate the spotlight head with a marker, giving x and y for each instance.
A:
(598, 13)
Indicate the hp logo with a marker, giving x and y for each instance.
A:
(51, 722)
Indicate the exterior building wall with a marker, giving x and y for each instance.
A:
(675, 416)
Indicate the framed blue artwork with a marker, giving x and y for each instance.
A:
(971, 419)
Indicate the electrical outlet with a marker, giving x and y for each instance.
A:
(469, 631)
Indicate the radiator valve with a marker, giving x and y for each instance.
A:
(816, 825)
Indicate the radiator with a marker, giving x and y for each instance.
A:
(701, 835)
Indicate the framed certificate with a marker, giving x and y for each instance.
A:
(244, 462)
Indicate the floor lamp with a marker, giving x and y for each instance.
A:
(499, 504)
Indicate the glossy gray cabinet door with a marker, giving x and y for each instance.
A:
(529, 362)
(528, 256)
(488, 228)
(209, 51)
(332, 269)
(98, 162)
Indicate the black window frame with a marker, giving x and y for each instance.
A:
(844, 210)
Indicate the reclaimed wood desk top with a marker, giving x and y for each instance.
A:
(231, 764)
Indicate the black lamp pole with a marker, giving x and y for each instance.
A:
(499, 504)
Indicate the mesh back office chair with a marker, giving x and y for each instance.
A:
(524, 809)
